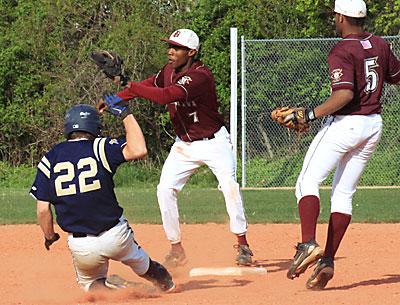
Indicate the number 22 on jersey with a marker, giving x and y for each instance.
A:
(70, 174)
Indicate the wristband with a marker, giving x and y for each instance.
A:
(309, 115)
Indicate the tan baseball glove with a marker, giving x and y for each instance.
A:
(295, 118)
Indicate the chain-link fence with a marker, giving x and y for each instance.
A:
(295, 72)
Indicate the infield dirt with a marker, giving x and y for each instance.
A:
(367, 268)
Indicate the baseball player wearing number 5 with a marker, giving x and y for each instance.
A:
(187, 87)
(359, 65)
(76, 177)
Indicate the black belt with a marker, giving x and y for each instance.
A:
(80, 234)
(77, 234)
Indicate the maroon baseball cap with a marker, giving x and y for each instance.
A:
(184, 38)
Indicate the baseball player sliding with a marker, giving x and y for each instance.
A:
(358, 65)
(187, 87)
(76, 177)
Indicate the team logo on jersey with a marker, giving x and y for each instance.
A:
(185, 80)
(113, 141)
(336, 75)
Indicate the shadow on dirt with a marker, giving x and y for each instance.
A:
(390, 279)
(276, 265)
(273, 265)
(212, 283)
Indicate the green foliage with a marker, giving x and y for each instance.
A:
(16, 176)
(384, 17)
(45, 67)
(138, 174)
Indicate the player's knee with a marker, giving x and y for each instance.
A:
(342, 203)
(229, 187)
(166, 190)
(165, 195)
(306, 188)
(159, 276)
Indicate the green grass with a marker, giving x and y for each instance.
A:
(207, 205)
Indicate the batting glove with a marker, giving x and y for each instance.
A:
(49, 242)
(115, 105)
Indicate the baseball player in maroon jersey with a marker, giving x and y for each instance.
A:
(187, 87)
(358, 65)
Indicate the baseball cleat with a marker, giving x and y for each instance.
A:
(322, 274)
(175, 259)
(169, 288)
(160, 277)
(244, 255)
(115, 281)
(306, 255)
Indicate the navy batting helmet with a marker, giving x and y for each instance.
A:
(82, 118)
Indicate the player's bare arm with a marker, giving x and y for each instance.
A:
(135, 143)
(336, 101)
(298, 118)
(45, 218)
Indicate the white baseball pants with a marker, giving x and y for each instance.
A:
(183, 160)
(345, 143)
(91, 254)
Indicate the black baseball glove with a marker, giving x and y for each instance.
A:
(111, 64)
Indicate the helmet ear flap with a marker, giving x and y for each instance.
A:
(82, 117)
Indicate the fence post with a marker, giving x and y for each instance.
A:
(233, 110)
(243, 84)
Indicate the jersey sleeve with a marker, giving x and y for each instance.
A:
(108, 151)
(40, 189)
(341, 70)
(128, 93)
(159, 95)
(393, 76)
(159, 79)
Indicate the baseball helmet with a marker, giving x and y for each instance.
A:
(82, 118)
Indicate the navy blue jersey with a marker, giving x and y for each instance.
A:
(77, 178)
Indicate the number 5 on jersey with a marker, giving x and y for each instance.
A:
(371, 76)
(69, 176)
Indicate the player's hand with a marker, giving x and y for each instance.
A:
(117, 80)
(52, 240)
(296, 118)
(113, 104)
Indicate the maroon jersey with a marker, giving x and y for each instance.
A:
(190, 97)
(361, 63)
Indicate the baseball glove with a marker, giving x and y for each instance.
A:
(111, 64)
(295, 118)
